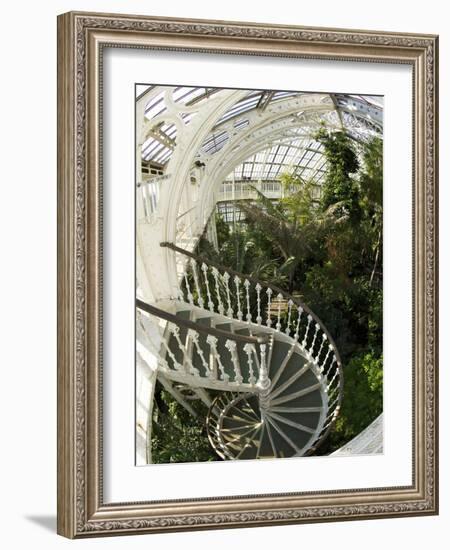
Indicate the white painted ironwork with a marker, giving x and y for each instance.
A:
(196, 282)
(188, 288)
(208, 292)
(258, 288)
(237, 282)
(226, 279)
(250, 350)
(204, 140)
(194, 337)
(280, 301)
(212, 341)
(231, 347)
(269, 293)
(288, 324)
(247, 297)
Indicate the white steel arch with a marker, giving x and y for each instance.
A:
(163, 225)
(204, 151)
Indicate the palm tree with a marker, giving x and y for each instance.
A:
(295, 224)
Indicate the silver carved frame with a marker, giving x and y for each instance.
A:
(81, 37)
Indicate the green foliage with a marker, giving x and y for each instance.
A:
(222, 228)
(325, 248)
(363, 397)
(176, 435)
(291, 228)
(371, 179)
(339, 186)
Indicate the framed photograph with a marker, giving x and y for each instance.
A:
(247, 276)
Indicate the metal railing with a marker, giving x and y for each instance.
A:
(148, 192)
(230, 372)
(248, 189)
(219, 289)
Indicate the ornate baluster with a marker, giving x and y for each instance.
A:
(263, 378)
(329, 420)
(205, 273)
(231, 347)
(212, 341)
(187, 360)
(269, 293)
(330, 349)
(188, 288)
(237, 281)
(249, 350)
(311, 349)
(297, 327)
(247, 296)
(258, 288)
(278, 325)
(330, 407)
(226, 278)
(193, 334)
(334, 376)
(334, 392)
(288, 327)
(305, 339)
(196, 282)
(177, 365)
(216, 274)
(331, 366)
(324, 339)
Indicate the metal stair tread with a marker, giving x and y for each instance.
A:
(292, 367)
(307, 379)
(279, 351)
(265, 447)
(195, 356)
(283, 435)
(308, 419)
(224, 352)
(241, 429)
(313, 399)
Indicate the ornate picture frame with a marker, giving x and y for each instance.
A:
(82, 38)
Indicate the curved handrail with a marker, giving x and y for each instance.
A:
(276, 289)
(152, 310)
(298, 303)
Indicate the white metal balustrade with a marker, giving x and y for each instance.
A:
(248, 190)
(261, 347)
(147, 196)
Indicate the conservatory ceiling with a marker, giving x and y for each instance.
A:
(260, 135)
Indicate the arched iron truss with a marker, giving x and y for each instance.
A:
(193, 139)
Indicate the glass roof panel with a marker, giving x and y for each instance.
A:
(181, 94)
(243, 106)
(299, 156)
(361, 117)
(283, 95)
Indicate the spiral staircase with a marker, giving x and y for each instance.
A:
(263, 363)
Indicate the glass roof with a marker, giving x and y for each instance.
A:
(302, 157)
(292, 149)
(180, 94)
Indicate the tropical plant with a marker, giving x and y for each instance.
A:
(363, 396)
(326, 249)
(294, 225)
(176, 435)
